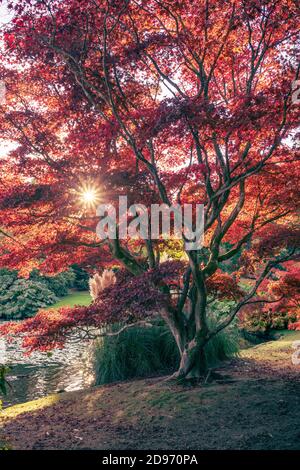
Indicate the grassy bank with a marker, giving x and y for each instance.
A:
(254, 405)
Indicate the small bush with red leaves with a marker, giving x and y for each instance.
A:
(295, 326)
(263, 320)
(282, 290)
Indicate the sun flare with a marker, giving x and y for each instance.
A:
(89, 195)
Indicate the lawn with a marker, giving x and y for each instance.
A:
(74, 298)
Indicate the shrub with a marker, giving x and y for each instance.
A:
(61, 283)
(81, 281)
(7, 278)
(222, 346)
(58, 284)
(142, 352)
(136, 352)
(23, 298)
(260, 321)
(3, 381)
(295, 326)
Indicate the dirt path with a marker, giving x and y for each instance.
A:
(255, 406)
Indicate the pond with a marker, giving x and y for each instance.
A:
(39, 374)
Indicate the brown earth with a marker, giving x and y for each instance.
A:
(254, 405)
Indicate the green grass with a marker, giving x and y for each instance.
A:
(288, 335)
(274, 351)
(74, 298)
(142, 352)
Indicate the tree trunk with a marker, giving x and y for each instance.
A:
(193, 364)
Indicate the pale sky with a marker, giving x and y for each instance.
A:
(5, 146)
(5, 16)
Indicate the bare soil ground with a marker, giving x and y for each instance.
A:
(255, 405)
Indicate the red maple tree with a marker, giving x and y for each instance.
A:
(166, 102)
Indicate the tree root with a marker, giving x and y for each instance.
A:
(190, 380)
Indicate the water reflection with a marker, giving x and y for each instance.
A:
(38, 375)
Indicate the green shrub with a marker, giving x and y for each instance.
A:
(81, 281)
(142, 352)
(23, 298)
(58, 284)
(3, 381)
(258, 321)
(7, 278)
(136, 352)
(222, 346)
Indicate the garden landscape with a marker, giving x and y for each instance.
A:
(149, 227)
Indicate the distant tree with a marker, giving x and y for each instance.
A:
(81, 281)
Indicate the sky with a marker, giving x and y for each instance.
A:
(5, 16)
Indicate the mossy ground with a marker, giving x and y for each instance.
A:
(256, 405)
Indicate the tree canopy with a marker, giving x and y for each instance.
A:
(188, 102)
